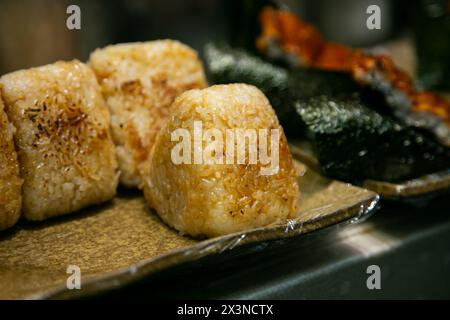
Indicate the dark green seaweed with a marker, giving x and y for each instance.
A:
(282, 87)
(352, 141)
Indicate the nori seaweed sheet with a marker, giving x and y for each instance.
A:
(351, 140)
(354, 143)
(282, 87)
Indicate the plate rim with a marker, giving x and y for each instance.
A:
(96, 284)
(434, 182)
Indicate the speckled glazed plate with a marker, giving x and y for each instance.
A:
(420, 187)
(123, 241)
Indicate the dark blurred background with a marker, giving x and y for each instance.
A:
(33, 32)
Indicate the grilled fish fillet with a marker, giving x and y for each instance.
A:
(66, 153)
(139, 82)
(10, 181)
(212, 199)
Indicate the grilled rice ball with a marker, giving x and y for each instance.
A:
(217, 199)
(66, 153)
(139, 82)
(10, 181)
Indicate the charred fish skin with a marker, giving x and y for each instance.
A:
(354, 143)
(378, 75)
(286, 36)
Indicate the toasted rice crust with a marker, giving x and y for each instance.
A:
(10, 181)
(139, 82)
(66, 154)
(214, 199)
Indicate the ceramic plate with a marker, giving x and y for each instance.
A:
(123, 241)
